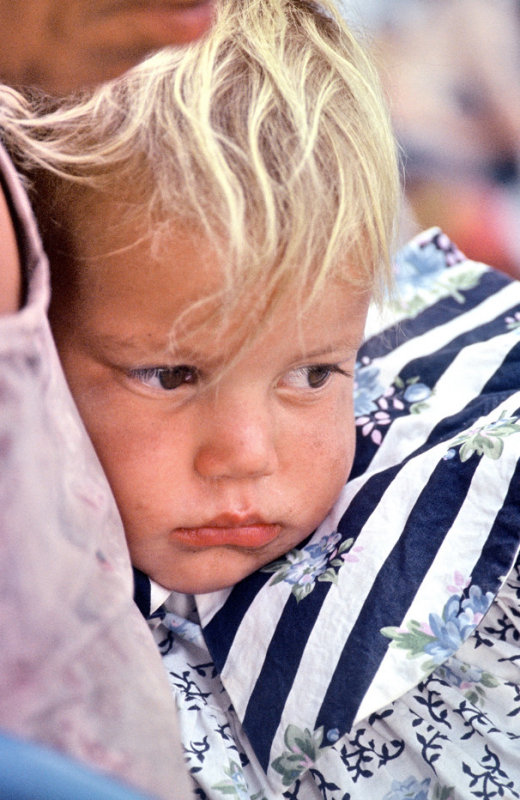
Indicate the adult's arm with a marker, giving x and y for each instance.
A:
(10, 281)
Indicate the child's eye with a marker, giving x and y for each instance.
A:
(312, 377)
(165, 378)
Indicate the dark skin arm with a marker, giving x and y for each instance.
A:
(10, 283)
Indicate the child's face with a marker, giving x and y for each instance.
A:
(213, 479)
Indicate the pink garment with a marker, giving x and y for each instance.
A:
(79, 670)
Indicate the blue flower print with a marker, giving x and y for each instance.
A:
(183, 628)
(417, 393)
(320, 552)
(410, 789)
(442, 636)
(423, 275)
(458, 621)
(471, 680)
(319, 561)
(459, 674)
(375, 409)
(367, 388)
(313, 561)
(477, 602)
(419, 267)
(450, 630)
(425, 258)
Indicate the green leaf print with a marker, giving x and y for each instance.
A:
(487, 440)
(303, 750)
(414, 640)
(236, 785)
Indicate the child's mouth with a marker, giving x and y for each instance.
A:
(250, 536)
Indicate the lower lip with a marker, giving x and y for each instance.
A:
(247, 536)
(167, 23)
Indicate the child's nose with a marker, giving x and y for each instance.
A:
(237, 440)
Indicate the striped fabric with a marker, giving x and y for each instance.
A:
(428, 524)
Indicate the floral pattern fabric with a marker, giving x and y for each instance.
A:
(381, 658)
(455, 735)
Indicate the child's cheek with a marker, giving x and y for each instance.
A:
(331, 453)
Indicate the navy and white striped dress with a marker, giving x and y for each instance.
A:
(381, 659)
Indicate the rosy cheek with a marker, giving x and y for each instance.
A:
(331, 456)
(334, 440)
(343, 463)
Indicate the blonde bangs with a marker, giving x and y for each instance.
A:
(270, 136)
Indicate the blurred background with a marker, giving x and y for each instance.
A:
(451, 70)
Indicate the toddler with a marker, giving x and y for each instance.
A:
(226, 219)
(218, 222)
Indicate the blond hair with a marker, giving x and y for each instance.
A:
(270, 135)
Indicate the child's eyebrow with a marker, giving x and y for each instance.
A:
(149, 347)
(133, 344)
(344, 346)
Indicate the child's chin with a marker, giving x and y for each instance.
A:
(203, 584)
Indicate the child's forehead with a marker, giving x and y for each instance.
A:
(123, 220)
(119, 239)
(171, 272)
(274, 339)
